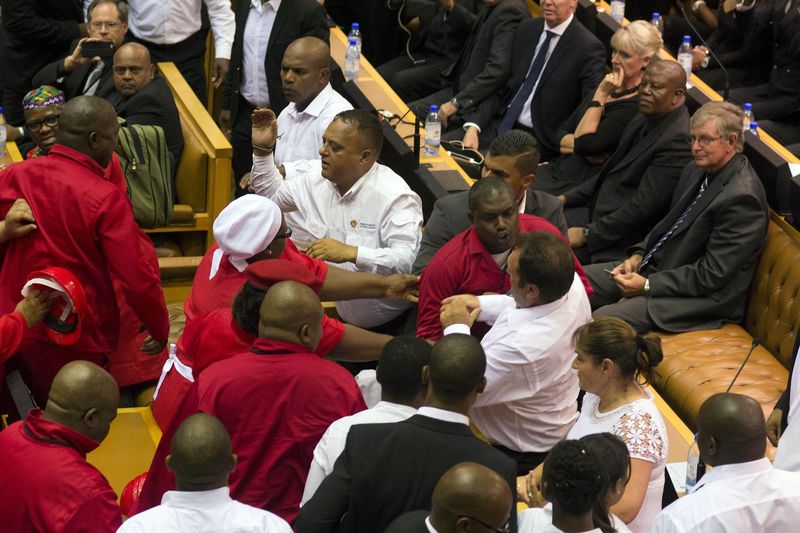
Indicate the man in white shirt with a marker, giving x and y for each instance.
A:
(172, 31)
(743, 492)
(530, 400)
(399, 373)
(356, 213)
(201, 458)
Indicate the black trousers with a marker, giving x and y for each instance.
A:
(188, 56)
(411, 80)
(526, 461)
(12, 106)
(242, 142)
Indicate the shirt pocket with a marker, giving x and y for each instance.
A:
(362, 237)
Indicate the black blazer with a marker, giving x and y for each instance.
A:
(700, 276)
(72, 83)
(413, 522)
(154, 105)
(386, 470)
(451, 216)
(785, 76)
(295, 19)
(784, 402)
(36, 32)
(632, 191)
(573, 70)
(485, 60)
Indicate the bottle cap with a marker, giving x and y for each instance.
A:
(355, 26)
(1, 110)
(434, 108)
(748, 106)
(687, 38)
(656, 14)
(753, 125)
(352, 42)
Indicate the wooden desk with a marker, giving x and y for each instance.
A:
(383, 97)
(12, 155)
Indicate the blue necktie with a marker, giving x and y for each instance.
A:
(674, 227)
(515, 108)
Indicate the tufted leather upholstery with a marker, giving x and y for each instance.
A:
(699, 364)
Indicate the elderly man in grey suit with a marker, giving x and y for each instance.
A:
(693, 269)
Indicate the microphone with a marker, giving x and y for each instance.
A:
(727, 87)
(755, 343)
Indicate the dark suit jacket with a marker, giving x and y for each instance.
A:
(413, 522)
(485, 61)
(72, 83)
(573, 70)
(154, 105)
(699, 278)
(294, 19)
(36, 32)
(784, 402)
(451, 216)
(631, 193)
(785, 76)
(386, 470)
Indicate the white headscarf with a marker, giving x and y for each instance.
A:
(243, 229)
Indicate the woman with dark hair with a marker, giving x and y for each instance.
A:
(615, 459)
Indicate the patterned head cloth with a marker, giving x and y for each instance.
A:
(43, 96)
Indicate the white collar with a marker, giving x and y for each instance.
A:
(391, 407)
(258, 6)
(316, 106)
(522, 203)
(522, 316)
(428, 524)
(561, 28)
(358, 185)
(724, 472)
(196, 499)
(443, 415)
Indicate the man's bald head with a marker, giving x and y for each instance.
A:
(455, 372)
(731, 429)
(305, 70)
(133, 70)
(473, 490)
(201, 454)
(83, 397)
(291, 312)
(663, 88)
(89, 125)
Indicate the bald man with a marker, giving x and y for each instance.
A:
(85, 224)
(276, 400)
(202, 459)
(142, 97)
(743, 492)
(466, 494)
(47, 483)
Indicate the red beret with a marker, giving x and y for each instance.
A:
(266, 273)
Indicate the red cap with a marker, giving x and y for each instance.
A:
(67, 303)
(265, 274)
(129, 498)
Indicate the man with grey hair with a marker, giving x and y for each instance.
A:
(693, 269)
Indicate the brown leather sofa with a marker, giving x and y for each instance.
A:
(699, 364)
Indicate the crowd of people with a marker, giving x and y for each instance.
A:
(496, 353)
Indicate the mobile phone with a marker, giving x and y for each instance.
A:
(97, 49)
(609, 272)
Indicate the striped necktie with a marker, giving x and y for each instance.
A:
(93, 81)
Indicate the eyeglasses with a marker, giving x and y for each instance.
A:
(505, 529)
(110, 26)
(702, 140)
(285, 235)
(50, 122)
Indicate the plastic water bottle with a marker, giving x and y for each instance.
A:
(2, 134)
(433, 131)
(695, 467)
(355, 33)
(685, 57)
(748, 116)
(657, 21)
(352, 58)
(754, 128)
(618, 10)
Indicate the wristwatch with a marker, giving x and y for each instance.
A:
(586, 233)
(454, 103)
(646, 287)
(706, 60)
(696, 5)
(595, 103)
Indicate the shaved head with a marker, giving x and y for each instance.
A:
(473, 490)
(89, 125)
(456, 368)
(314, 50)
(133, 70)
(305, 70)
(83, 397)
(663, 89)
(201, 453)
(292, 312)
(132, 50)
(731, 429)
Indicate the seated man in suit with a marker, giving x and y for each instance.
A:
(466, 494)
(482, 67)
(143, 98)
(530, 399)
(476, 260)
(555, 64)
(743, 492)
(513, 156)
(107, 20)
(386, 470)
(615, 209)
(693, 269)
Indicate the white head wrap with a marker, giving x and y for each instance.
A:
(243, 229)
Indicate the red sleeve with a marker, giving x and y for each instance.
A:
(438, 281)
(13, 329)
(332, 333)
(317, 266)
(115, 175)
(98, 514)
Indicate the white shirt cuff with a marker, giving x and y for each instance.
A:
(467, 125)
(457, 328)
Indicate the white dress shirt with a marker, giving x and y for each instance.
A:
(331, 444)
(255, 42)
(732, 498)
(530, 401)
(788, 456)
(174, 21)
(379, 214)
(443, 414)
(538, 519)
(371, 390)
(208, 511)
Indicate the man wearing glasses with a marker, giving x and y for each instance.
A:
(42, 109)
(693, 269)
